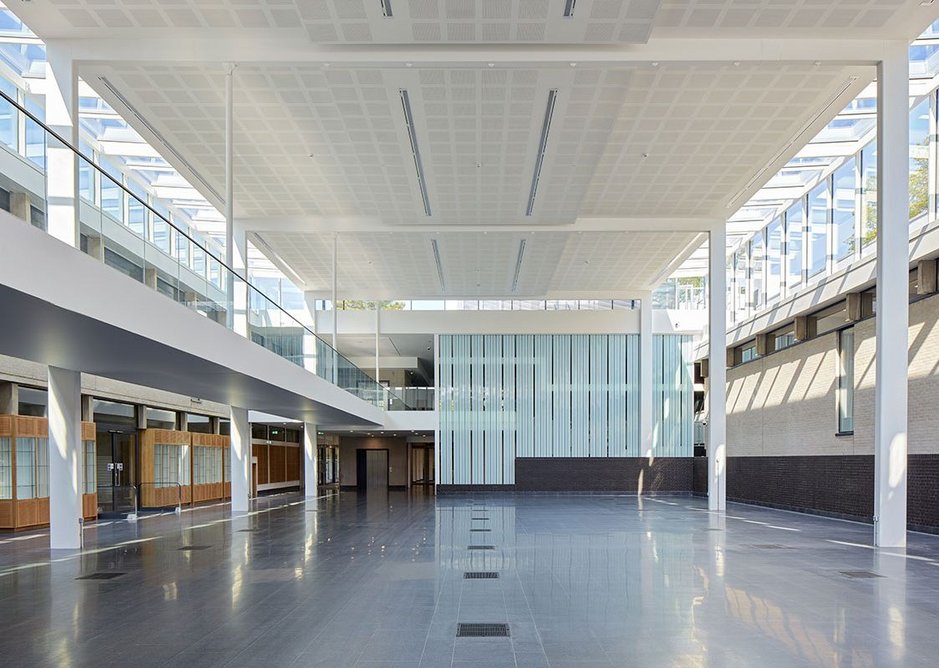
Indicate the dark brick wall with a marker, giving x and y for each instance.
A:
(841, 486)
(922, 485)
(457, 489)
(700, 475)
(602, 474)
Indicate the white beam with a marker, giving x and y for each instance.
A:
(368, 224)
(276, 47)
(892, 320)
(717, 374)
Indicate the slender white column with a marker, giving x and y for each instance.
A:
(892, 324)
(645, 375)
(65, 447)
(309, 460)
(717, 368)
(230, 190)
(377, 332)
(61, 172)
(335, 287)
(240, 460)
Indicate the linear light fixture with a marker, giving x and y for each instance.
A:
(386, 8)
(569, 8)
(518, 265)
(436, 248)
(152, 130)
(542, 147)
(412, 135)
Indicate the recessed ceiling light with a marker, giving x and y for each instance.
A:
(573, 64)
(492, 64)
(655, 63)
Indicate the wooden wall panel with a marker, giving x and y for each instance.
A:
(7, 514)
(260, 451)
(293, 463)
(90, 506)
(278, 470)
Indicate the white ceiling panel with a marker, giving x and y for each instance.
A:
(689, 137)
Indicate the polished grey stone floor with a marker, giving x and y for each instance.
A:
(376, 580)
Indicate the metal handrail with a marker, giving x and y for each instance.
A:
(166, 220)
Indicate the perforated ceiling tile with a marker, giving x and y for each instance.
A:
(181, 13)
(775, 15)
(610, 21)
(689, 137)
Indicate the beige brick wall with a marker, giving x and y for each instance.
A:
(784, 403)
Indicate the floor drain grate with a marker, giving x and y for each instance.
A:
(191, 548)
(480, 575)
(860, 575)
(770, 546)
(480, 519)
(482, 631)
(101, 576)
(480, 529)
(480, 547)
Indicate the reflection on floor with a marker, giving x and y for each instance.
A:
(388, 580)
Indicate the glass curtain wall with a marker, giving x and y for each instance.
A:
(833, 224)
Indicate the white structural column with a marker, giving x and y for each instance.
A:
(65, 456)
(335, 287)
(717, 368)
(240, 460)
(230, 193)
(377, 333)
(61, 172)
(645, 375)
(309, 460)
(892, 324)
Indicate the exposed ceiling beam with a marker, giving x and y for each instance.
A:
(219, 47)
(359, 224)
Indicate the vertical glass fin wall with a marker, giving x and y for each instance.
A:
(672, 396)
(503, 397)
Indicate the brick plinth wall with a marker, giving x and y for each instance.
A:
(700, 476)
(603, 474)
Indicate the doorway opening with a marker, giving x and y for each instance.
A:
(371, 470)
(422, 464)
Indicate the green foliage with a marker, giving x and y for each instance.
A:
(361, 305)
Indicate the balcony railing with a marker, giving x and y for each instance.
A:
(210, 287)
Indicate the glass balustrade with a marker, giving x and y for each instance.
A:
(119, 228)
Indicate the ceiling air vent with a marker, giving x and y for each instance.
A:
(412, 135)
(436, 248)
(542, 147)
(518, 270)
(386, 8)
(569, 8)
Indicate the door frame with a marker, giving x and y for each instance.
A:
(361, 472)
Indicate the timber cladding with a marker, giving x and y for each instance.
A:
(17, 513)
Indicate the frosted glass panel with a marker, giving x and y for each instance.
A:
(503, 397)
(672, 396)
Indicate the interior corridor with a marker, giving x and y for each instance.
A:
(381, 580)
